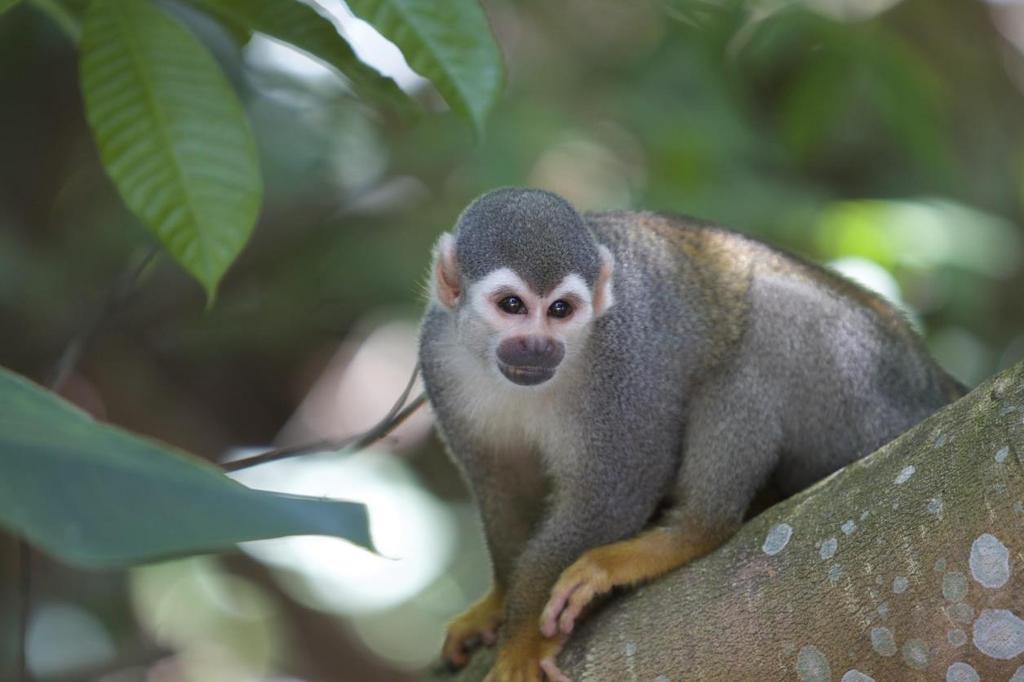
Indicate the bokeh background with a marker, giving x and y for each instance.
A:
(885, 138)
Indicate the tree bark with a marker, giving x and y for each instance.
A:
(905, 565)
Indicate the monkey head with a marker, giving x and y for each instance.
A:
(524, 279)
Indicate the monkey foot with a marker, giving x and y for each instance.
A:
(578, 585)
(478, 625)
(529, 659)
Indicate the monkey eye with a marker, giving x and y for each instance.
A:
(560, 309)
(513, 305)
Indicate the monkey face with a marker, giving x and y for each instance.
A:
(524, 280)
(523, 335)
(528, 331)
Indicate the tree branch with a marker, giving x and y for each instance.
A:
(898, 566)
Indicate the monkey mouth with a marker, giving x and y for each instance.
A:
(525, 375)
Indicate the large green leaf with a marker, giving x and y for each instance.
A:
(97, 496)
(448, 42)
(301, 26)
(171, 134)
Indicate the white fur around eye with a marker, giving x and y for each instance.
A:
(481, 292)
(572, 285)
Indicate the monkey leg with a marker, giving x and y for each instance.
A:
(644, 557)
(477, 625)
(526, 656)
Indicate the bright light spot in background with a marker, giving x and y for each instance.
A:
(408, 524)
(869, 275)
(64, 639)
(591, 175)
(373, 48)
(850, 10)
(386, 599)
(1008, 17)
(874, 277)
(369, 45)
(358, 387)
(922, 234)
(267, 54)
(218, 625)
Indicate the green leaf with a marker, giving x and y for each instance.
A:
(7, 4)
(448, 42)
(171, 134)
(301, 26)
(239, 32)
(97, 496)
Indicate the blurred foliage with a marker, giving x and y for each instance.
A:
(874, 131)
(173, 136)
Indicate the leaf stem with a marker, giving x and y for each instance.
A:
(61, 16)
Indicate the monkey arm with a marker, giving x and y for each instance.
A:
(731, 447)
(508, 488)
(585, 513)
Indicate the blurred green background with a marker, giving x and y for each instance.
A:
(883, 137)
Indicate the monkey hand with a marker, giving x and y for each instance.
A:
(478, 625)
(528, 657)
(588, 577)
(649, 555)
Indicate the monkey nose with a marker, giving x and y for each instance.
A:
(534, 352)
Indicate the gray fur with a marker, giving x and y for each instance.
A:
(536, 233)
(723, 366)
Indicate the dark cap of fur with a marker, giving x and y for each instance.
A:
(537, 234)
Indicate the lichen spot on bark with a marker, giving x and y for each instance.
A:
(835, 573)
(954, 586)
(999, 633)
(915, 654)
(962, 612)
(961, 672)
(990, 561)
(883, 642)
(777, 539)
(812, 666)
(905, 474)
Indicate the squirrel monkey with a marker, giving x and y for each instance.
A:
(617, 387)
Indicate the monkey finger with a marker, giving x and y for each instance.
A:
(578, 600)
(560, 595)
(454, 651)
(455, 661)
(552, 671)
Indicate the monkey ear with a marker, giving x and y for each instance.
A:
(604, 297)
(446, 285)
